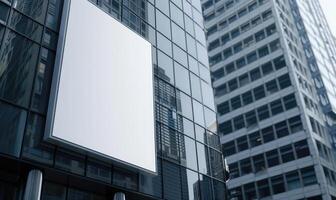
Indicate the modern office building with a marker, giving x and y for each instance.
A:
(273, 70)
(106, 99)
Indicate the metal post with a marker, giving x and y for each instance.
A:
(33, 185)
(119, 196)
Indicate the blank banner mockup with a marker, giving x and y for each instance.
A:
(102, 91)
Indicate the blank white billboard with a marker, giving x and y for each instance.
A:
(103, 89)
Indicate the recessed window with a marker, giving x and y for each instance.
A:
(287, 153)
(263, 112)
(281, 129)
(251, 118)
(236, 102)
(301, 149)
(284, 81)
(229, 68)
(308, 176)
(255, 74)
(263, 188)
(235, 33)
(239, 122)
(278, 184)
(270, 30)
(263, 51)
(279, 62)
(293, 180)
(295, 124)
(241, 62)
(245, 166)
(217, 74)
(289, 101)
(242, 143)
(229, 148)
(259, 35)
(238, 47)
(226, 127)
(276, 107)
(223, 108)
(267, 68)
(251, 57)
(268, 134)
(271, 87)
(259, 92)
(255, 139)
(233, 84)
(250, 191)
(275, 45)
(234, 170)
(243, 80)
(272, 158)
(225, 38)
(247, 97)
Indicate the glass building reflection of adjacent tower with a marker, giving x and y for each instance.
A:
(188, 149)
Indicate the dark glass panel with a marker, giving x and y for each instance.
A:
(54, 14)
(43, 81)
(26, 26)
(216, 162)
(99, 171)
(170, 143)
(4, 10)
(12, 124)
(33, 148)
(18, 57)
(36, 9)
(124, 178)
(151, 184)
(53, 191)
(69, 162)
(206, 187)
(171, 181)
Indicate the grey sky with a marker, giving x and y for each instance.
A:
(329, 8)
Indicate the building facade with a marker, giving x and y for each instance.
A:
(274, 124)
(189, 158)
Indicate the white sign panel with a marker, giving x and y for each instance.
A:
(104, 89)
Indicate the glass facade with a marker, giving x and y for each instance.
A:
(190, 164)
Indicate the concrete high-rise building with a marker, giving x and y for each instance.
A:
(273, 70)
(106, 99)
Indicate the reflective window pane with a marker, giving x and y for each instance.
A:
(36, 9)
(184, 104)
(190, 184)
(4, 10)
(43, 81)
(18, 57)
(26, 26)
(188, 152)
(165, 67)
(198, 113)
(203, 159)
(182, 78)
(53, 14)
